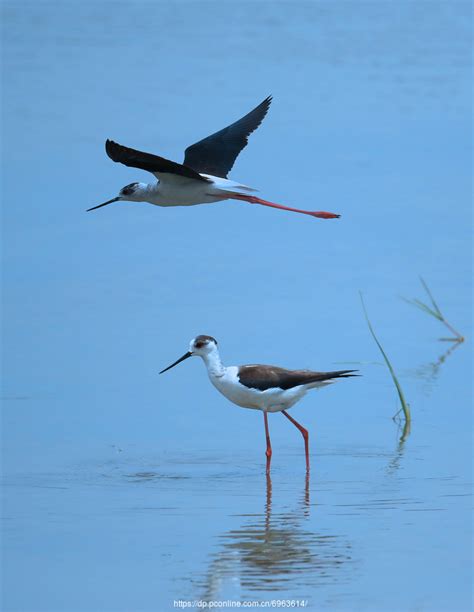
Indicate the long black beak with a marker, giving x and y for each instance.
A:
(104, 204)
(185, 356)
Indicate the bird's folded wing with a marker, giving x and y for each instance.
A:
(272, 377)
(216, 154)
(147, 161)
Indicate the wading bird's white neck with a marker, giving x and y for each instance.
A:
(213, 363)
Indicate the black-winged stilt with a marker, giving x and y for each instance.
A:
(202, 177)
(261, 387)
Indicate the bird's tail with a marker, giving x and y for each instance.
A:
(325, 378)
(340, 374)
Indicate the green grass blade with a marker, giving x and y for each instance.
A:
(405, 407)
(426, 308)
(430, 295)
(422, 306)
(434, 312)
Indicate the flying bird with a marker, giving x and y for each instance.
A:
(261, 387)
(202, 177)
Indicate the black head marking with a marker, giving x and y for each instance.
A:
(129, 189)
(201, 341)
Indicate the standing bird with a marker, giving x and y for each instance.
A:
(261, 387)
(202, 177)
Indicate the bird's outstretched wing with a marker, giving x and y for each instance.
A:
(147, 161)
(272, 377)
(217, 153)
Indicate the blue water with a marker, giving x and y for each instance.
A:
(126, 491)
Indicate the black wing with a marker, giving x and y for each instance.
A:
(217, 153)
(272, 377)
(148, 161)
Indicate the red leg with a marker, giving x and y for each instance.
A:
(268, 452)
(305, 436)
(254, 200)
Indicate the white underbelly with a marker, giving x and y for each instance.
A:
(236, 394)
(187, 197)
(271, 400)
(176, 190)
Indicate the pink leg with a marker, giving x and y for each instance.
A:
(305, 436)
(268, 452)
(254, 200)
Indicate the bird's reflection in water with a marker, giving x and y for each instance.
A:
(273, 552)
